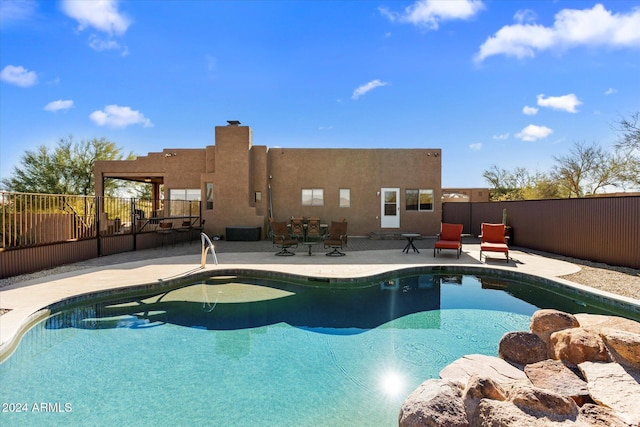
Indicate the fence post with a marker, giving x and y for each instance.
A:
(99, 208)
(134, 228)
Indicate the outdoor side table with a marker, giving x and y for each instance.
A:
(410, 238)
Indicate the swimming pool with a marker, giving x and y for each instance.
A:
(259, 351)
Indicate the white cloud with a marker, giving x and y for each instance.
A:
(533, 132)
(101, 15)
(18, 75)
(529, 111)
(524, 15)
(501, 136)
(430, 13)
(119, 117)
(476, 146)
(16, 10)
(566, 103)
(571, 28)
(59, 105)
(367, 87)
(100, 45)
(611, 91)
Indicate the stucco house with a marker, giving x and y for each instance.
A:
(241, 184)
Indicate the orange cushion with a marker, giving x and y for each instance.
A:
(493, 233)
(451, 231)
(494, 247)
(447, 244)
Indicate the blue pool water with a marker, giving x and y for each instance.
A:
(252, 352)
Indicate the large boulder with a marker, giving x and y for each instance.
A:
(542, 403)
(624, 346)
(434, 403)
(615, 387)
(578, 345)
(547, 321)
(479, 388)
(556, 376)
(522, 348)
(502, 414)
(461, 370)
(599, 416)
(525, 406)
(599, 321)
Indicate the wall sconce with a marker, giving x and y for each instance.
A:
(378, 193)
(147, 179)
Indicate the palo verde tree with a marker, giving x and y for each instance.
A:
(67, 169)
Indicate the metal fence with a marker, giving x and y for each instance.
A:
(45, 230)
(601, 229)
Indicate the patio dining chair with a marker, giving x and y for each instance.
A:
(313, 228)
(282, 239)
(337, 238)
(184, 230)
(165, 230)
(297, 228)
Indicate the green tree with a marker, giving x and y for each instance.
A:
(68, 169)
(587, 170)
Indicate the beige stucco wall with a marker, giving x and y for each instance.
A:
(239, 170)
(362, 171)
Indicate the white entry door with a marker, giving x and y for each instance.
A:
(390, 208)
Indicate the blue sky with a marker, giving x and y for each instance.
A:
(508, 83)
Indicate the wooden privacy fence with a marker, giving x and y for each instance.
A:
(600, 229)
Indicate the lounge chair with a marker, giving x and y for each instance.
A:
(297, 228)
(449, 238)
(337, 238)
(281, 238)
(313, 228)
(492, 240)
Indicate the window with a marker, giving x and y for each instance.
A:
(345, 197)
(312, 197)
(419, 200)
(209, 195)
(184, 202)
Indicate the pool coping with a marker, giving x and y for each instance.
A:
(33, 300)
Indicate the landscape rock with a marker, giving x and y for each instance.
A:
(599, 321)
(479, 388)
(499, 414)
(498, 370)
(594, 382)
(547, 321)
(556, 376)
(624, 346)
(615, 387)
(522, 348)
(578, 345)
(434, 403)
(599, 416)
(542, 403)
